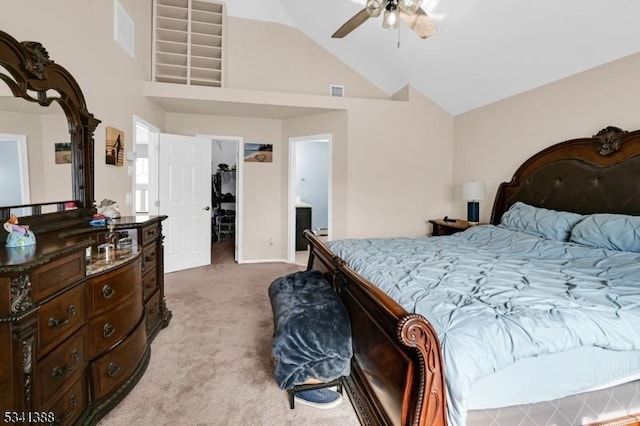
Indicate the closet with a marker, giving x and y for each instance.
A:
(224, 201)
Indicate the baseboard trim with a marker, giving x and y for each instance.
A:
(263, 261)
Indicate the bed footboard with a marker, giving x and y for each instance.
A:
(397, 375)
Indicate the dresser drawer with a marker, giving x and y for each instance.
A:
(59, 318)
(110, 289)
(148, 259)
(58, 369)
(152, 308)
(69, 406)
(108, 329)
(150, 233)
(149, 284)
(116, 366)
(55, 276)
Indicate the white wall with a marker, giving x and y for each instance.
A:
(224, 151)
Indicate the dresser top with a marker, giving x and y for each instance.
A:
(17, 260)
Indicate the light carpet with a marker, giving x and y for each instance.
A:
(212, 364)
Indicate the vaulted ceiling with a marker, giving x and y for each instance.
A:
(484, 50)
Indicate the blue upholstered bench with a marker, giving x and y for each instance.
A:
(312, 333)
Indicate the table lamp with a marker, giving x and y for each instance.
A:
(473, 192)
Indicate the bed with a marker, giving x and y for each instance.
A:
(398, 368)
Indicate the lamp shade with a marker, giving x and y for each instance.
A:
(390, 19)
(473, 191)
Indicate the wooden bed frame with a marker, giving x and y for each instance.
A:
(397, 375)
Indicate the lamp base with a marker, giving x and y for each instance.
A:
(473, 212)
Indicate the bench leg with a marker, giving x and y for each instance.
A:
(292, 392)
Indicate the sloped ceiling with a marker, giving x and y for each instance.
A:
(484, 51)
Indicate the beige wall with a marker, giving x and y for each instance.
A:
(336, 125)
(392, 159)
(262, 182)
(400, 166)
(29, 125)
(267, 56)
(78, 34)
(491, 142)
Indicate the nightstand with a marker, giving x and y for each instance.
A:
(441, 227)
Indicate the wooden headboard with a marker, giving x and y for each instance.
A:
(600, 174)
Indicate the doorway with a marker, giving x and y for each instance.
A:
(309, 201)
(145, 169)
(226, 196)
(14, 166)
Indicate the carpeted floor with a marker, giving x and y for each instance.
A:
(212, 365)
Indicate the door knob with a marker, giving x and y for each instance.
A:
(207, 208)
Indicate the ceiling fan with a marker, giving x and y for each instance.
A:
(409, 10)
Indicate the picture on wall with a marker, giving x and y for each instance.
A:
(258, 153)
(114, 147)
(63, 153)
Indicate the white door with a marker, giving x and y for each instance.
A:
(185, 197)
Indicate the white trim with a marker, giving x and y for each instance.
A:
(291, 223)
(265, 261)
(239, 189)
(154, 133)
(23, 164)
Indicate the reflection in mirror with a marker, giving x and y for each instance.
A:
(35, 150)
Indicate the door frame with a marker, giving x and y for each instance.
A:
(291, 202)
(239, 140)
(154, 133)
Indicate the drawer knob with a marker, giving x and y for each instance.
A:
(113, 369)
(54, 322)
(108, 330)
(149, 257)
(151, 283)
(63, 371)
(107, 291)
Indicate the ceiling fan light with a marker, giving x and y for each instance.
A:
(390, 19)
(374, 7)
(409, 6)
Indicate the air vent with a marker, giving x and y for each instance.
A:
(123, 28)
(336, 91)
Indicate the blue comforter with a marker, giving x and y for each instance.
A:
(495, 296)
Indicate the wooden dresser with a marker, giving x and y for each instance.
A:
(75, 329)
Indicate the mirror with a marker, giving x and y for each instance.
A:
(47, 101)
(35, 153)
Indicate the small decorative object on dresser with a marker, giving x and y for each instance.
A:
(19, 235)
(448, 226)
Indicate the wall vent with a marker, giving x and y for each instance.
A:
(123, 28)
(336, 91)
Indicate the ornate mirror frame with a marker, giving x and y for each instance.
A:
(31, 75)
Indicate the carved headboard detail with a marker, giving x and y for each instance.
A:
(589, 175)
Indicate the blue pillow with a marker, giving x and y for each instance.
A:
(608, 231)
(550, 224)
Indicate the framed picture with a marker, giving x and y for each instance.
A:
(114, 147)
(258, 153)
(63, 153)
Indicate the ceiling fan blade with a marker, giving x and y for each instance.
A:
(353, 23)
(420, 23)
